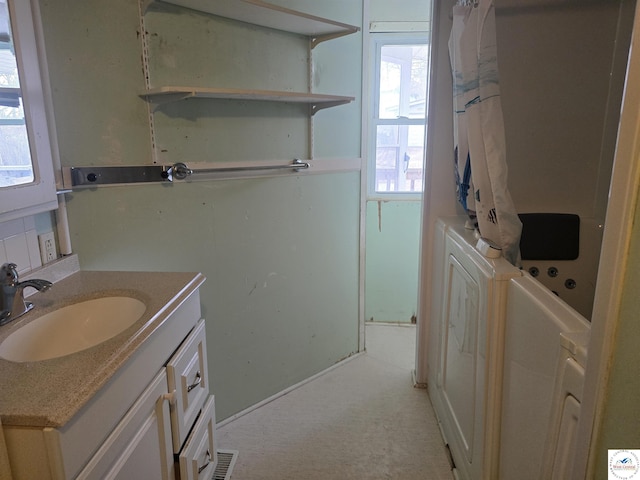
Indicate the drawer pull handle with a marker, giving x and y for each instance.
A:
(200, 469)
(196, 382)
(170, 397)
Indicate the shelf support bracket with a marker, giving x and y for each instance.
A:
(316, 107)
(330, 36)
(157, 101)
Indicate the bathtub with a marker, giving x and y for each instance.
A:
(547, 329)
(545, 351)
(528, 370)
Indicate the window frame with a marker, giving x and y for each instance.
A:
(40, 195)
(377, 41)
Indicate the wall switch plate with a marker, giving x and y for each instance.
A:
(48, 251)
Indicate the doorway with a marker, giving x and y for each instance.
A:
(396, 142)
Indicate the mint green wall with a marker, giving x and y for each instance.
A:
(280, 254)
(280, 259)
(621, 423)
(392, 260)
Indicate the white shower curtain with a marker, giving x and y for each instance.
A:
(480, 149)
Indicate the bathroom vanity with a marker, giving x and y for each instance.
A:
(136, 405)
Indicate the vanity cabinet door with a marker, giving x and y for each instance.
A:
(187, 376)
(140, 446)
(199, 456)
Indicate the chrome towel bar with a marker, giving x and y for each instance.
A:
(74, 177)
(180, 171)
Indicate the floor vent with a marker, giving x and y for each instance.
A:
(226, 461)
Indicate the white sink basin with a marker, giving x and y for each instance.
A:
(71, 329)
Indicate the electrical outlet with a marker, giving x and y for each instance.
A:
(48, 251)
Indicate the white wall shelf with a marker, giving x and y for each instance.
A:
(317, 101)
(258, 12)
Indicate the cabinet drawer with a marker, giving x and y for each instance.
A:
(199, 457)
(187, 376)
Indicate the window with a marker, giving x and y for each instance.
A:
(27, 182)
(398, 113)
(15, 157)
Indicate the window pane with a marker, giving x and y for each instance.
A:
(415, 151)
(399, 158)
(403, 81)
(389, 89)
(15, 156)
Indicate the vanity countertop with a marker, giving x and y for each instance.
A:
(49, 393)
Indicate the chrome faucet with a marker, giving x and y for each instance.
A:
(12, 302)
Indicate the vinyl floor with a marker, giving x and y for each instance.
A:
(363, 420)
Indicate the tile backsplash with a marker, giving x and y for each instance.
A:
(19, 244)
